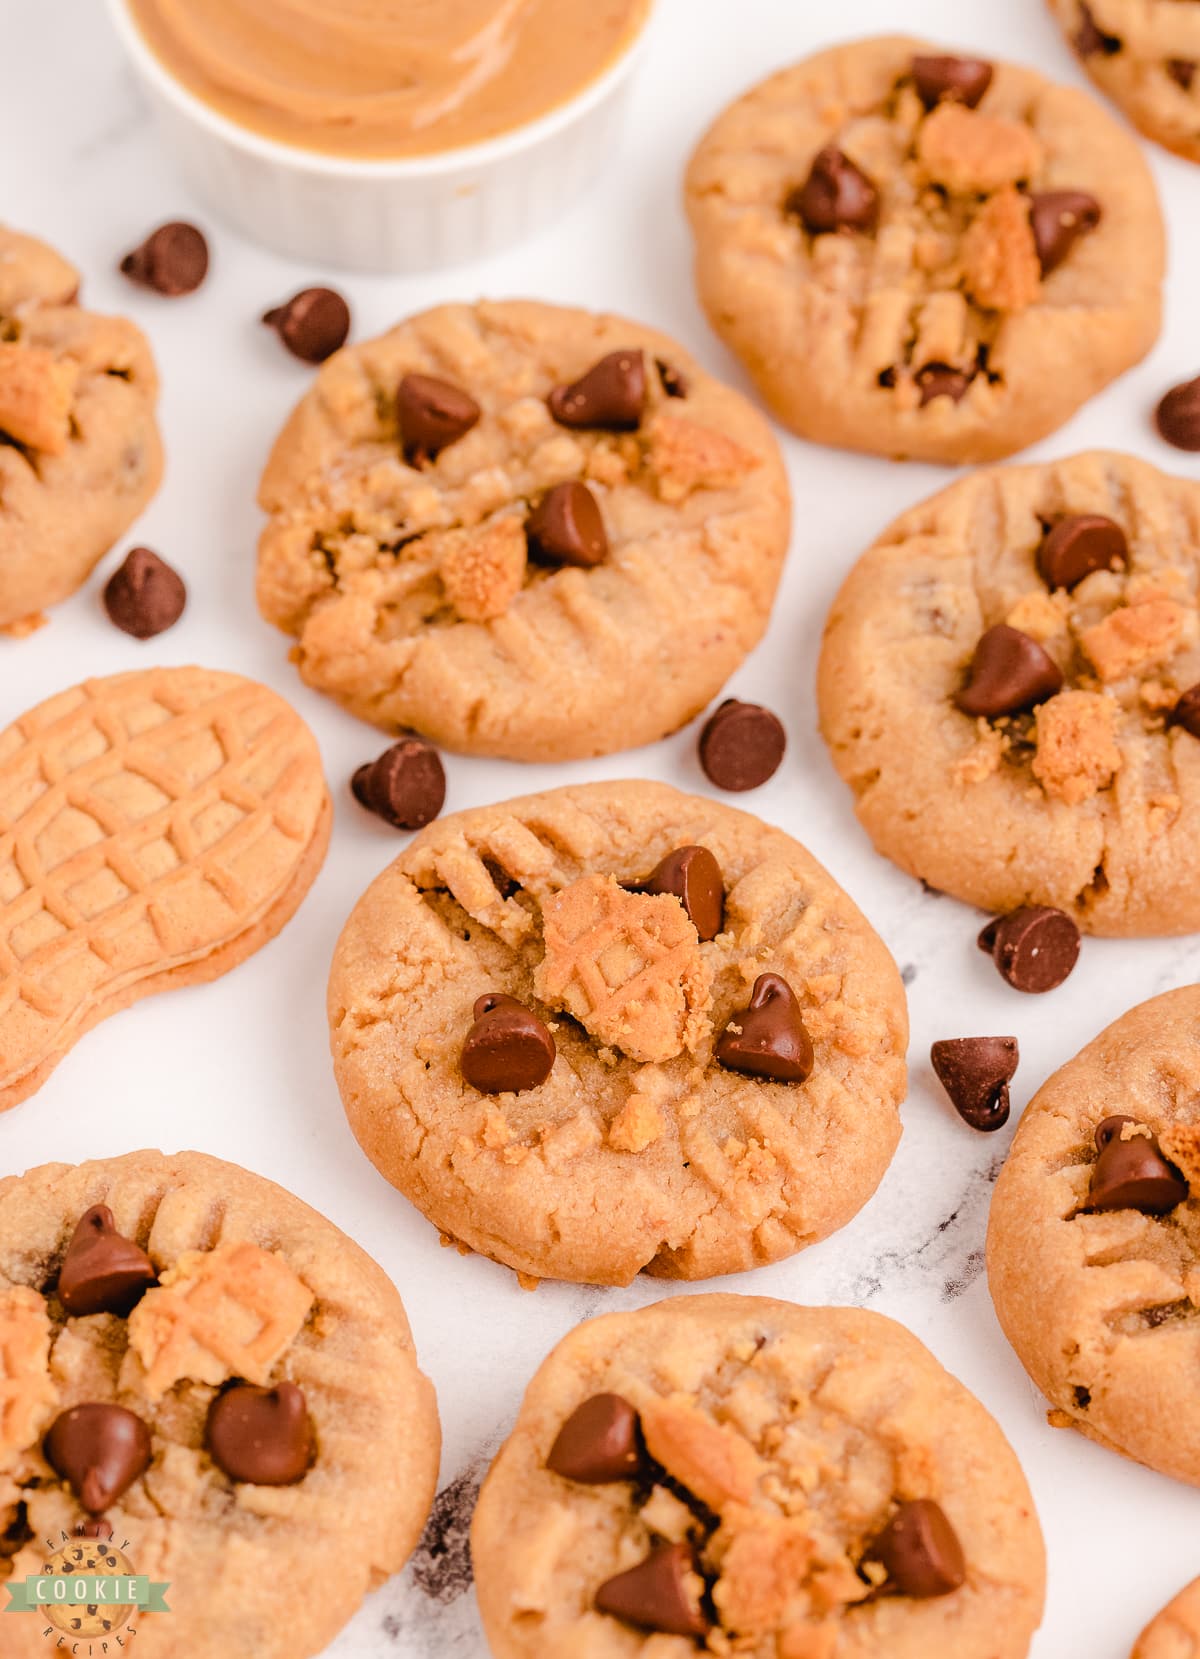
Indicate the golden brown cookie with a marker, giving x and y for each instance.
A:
(79, 449)
(453, 556)
(1004, 685)
(1144, 54)
(156, 828)
(886, 243)
(252, 1296)
(730, 1474)
(1175, 1632)
(685, 1080)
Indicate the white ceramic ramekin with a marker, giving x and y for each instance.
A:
(390, 216)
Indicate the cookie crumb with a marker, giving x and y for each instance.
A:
(1000, 260)
(968, 151)
(1077, 753)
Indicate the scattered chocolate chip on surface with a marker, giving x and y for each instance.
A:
(262, 1436)
(566, 527)
(836, 195)
(1178, 415)
(920, 1551)
(508, 1048)
(102, 1271)
(975, 1072)
(173, 260)
(405, 786)
(1010, 674)
(432, 414)
(99, 1450)
(1074, 547)
(1034, 948)
(599, 1443)
(1058, 218)
(741, 745)
(768, 1038)
(694, 877)
(1130, 1172)
(662, 1593)
(145, 596)
(313, 324)
(941, 380)
(610, 397)
(957, 80)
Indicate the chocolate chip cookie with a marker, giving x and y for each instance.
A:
(1175, 1632)
(1010, 684)
(753, 1477)
(614, 1029)
(1145, 56)
(1094, 1237)
(925, 256)
(498, 523)
(79, 449)
(203, 1371)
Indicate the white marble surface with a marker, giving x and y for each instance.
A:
(240, 1068)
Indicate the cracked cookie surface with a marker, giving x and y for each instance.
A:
(315, 1312)
(408, 583)
(79, 448)
(1175, 1632)
(1089, 802)
(639, 1151)
(931, 331)
(1103, 1305)
(776, 1443)
(1145, 54)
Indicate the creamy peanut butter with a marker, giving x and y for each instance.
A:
(387, 78)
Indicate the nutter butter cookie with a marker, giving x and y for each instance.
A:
(730, 1474)
(496, 523)
(1008, 683)
(612, 1029)
(925, 255)
(206, 1384)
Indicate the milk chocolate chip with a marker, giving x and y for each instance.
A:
(661, 1593)
(508, 1049)
(1010, 673)
(1091, 39)
(1034, 948)
(694, 877)
(99, 1450)
(920, 1552)
(836, 195)
(565, 528)
(741, 745)
(611, 396)
(405, 786)
(940, 380)
(145, 596)
(102, 1271)
(975, 1072)
(1058, 218)
(600, 1442)
(1132, 1174)
(1182, 71)
(768, 1038)
(313, 324)
(432, 414)
(1178, 415)
(1186, 712)
(1076, 546)
(261, 1435)
(957, 80)
(173, 260)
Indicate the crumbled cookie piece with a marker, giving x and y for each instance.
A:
(482, 570)
(1000, 259)
(628, 966)
(1039, 614)
(1136, 636)
(36, 392)
(984, 756)
(27, 1392)
(221, 1313)
(1077, 752)
(1180, 1142)
(684, 456)
(808, 1641)
(763, 1560)
(637, 1125)
(714, 1462)
(968, 151)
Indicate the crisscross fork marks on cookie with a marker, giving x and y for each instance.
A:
(26, 1390)
(227, 1312)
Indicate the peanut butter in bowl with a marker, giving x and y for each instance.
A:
(387, 79)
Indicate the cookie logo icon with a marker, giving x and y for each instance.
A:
(87, 1594)
(95, 1557)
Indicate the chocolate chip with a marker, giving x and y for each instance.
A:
(432, 415)
(610, 396)
(599, 1442)
(261, 1435)
(768, 1038)
(145, 596)
(313, 324)
(694, 877)
(940, 380)
(673, 383)
(1178, 415)
(100, 1450)
(405, 786)
(1186, 712)
(1133, 1174)
(1076, 546)
(1034, 948)
(658, 1594)
(955, 80)
(920, 1552)
(1090, 38)
(1058, 218)
(1010, 673)
(508, 1049)
(741, 745)
(173, 260)
(565, 528)
(1182, 71)
(102, 1271)
(835, 196)
(975, 1072)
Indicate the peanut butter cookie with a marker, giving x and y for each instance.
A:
(79, 449)
(922, 256)
(1010, 684)
(1094, 1237)
(614, 1029)
(1144, 54)
(497, 523)
(203, 1371)
(1175, 1632)
(748, 1476)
